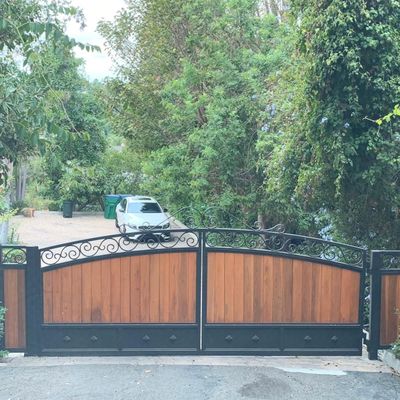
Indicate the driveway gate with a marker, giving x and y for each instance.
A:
(207, 291)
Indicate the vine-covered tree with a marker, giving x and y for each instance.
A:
(337, 161)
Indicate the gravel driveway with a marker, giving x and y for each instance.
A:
(49, 227)
(197, 378)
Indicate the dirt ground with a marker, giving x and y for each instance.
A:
(47, 228)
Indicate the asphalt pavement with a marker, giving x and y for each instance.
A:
(197, 378)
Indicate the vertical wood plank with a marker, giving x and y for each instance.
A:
(192, 286)
(258, 295)
(287, 293)
(345, 297)
(277, 289)
(126, 294)
(220, 287)
(267, 289)
(96, 308)
(66, 294)
(136, 289)
(154, 263)
(14, 301)
(326, 300)
(183, 288)
(210, 287)
(87, 292)
(248, 288)
(238, 279)
(56, 298)
(317, 293)
(144, 288)
(164, 269)
(229, 267)
(115, 285)
(297, 308)
(76, 294)
(106, 290)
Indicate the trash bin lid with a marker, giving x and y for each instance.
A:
(112, 196)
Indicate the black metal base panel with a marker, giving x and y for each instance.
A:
(221, 339)
(118, 339)
(283, 339)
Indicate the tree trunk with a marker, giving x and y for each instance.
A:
(20, 181)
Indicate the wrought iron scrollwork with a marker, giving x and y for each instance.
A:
(118, 244)
(13, 255)
(285, 243)
(268, 240)
(391, 260)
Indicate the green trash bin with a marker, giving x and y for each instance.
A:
(110, 202)
(68, 207)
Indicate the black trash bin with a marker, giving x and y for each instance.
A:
(68, 206)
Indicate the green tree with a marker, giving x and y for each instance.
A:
(28, 29)
(336, 161)
(197, 94)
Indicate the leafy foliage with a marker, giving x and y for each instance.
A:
(199, 84)
(2, 315)
(336, 160)
(29, 30)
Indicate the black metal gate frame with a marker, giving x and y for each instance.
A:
(383, 262)
(201, 337)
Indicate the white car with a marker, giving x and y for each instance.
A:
(138, 216)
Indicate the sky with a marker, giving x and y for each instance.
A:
(98, 65)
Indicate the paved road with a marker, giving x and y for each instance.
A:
(197, 378)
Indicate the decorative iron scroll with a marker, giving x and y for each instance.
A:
(12, 255)
(285, 243)
(390, 260)
(118, 244)
(276, 241)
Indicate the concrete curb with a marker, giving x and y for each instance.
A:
(390, 360)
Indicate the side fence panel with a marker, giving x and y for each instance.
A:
(385, 301)
(13, 264)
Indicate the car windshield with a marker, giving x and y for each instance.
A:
(137, 208)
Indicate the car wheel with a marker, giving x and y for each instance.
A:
(122, 229)
(116, 223)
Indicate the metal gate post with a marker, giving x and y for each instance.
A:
(34, 301)
(375, 305)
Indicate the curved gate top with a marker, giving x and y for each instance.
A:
(207, 290)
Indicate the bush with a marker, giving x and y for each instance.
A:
(17, 206)
(54, 206)
(2, 314)
(396, 348)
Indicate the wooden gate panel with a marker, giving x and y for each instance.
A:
(153, 288)
(390, 309)
(250, 288)
(14, 302)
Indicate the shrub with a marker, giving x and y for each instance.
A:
(396, 348)
(2, 314)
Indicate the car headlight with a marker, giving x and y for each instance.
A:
(166, 226)
(132, 226)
